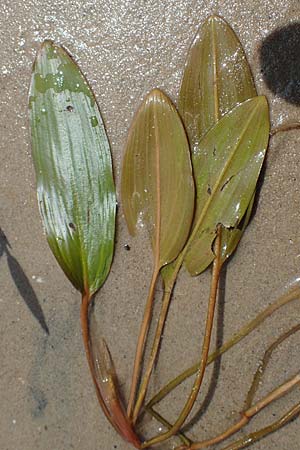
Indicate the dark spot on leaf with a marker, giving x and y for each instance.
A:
(127, 247)
(71, 225)
(226, 182)
(70, 108)
(214, 151)
(209, 190)
(280, 62)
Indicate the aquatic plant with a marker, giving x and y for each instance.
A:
(189, 175)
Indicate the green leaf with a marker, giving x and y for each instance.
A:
(157, 182)
(227, 165)
(232, 236)
(73, 167)
(217, 78)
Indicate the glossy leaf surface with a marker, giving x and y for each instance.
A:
(227, 165)
(157, 181)
(73, 167)
(217, 77)
(107, 382)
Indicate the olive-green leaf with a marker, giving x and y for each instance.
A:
(216, 78)
(73, 167)
(232, 236)
(157, 183)
(227, 164)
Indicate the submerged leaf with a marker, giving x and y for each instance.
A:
(217, 78)
(227, 166)
(157, 182)
(73, 169)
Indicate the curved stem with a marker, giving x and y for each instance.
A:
(108, 398)
(257, 435)
(292, 295)
(204, 353)
(248, 414)
(285, 127)
(84, 319)
(263, 364)
(141, 342)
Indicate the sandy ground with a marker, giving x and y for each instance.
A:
(125, 48)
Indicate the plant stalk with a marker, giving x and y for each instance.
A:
(257, 435)
(204, 353)
(285, 127)
(84, 319)
(159, 329)
(292, 295)
(248, 414)
(264, 363)
(181, 436)
(115, 415)
(141, 342)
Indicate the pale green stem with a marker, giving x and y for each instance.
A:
(248, 414)
(257, 435)
(263, 364)
(204, 352)
(292, 295)
(181, 436)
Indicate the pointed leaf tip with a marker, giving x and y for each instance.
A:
(157, 183)
(73, 168)
(227, 165)
(216, 79)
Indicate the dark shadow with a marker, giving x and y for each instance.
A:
(217, 364)
(280, 62)
(22, 283)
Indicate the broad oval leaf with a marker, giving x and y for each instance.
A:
(227, 165)
(73, 168)
(157, 183)
(217, 77)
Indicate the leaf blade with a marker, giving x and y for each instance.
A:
(73, 169)
(157, 184)
(224, 193)
(216, 78)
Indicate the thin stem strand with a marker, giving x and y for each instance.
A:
(141, 342)
(257, 435)
(167, 424)
(292, 295)
(264, 363)
(285, 127)
(84, 319)
(204, 352)
(157, 338)
(248, 414)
